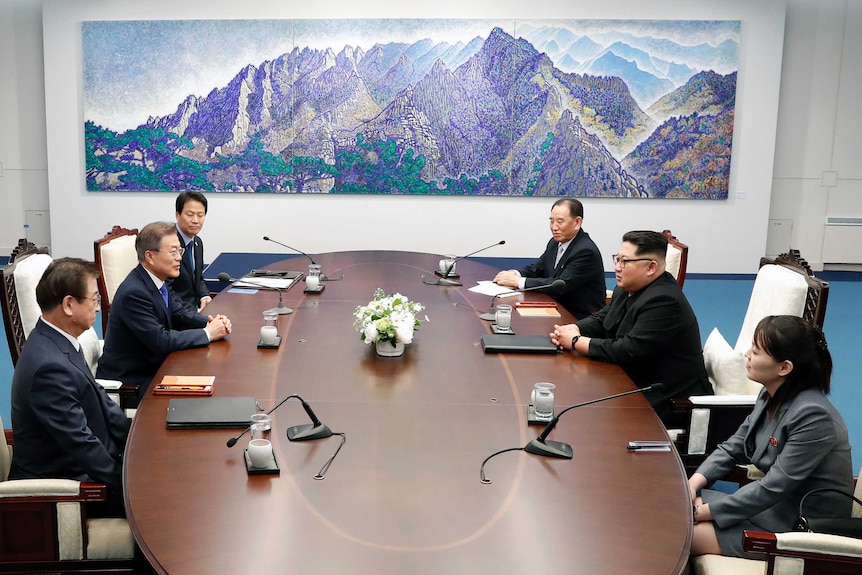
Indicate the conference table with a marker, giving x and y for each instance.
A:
(404, 493)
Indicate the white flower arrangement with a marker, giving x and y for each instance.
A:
(387, 318)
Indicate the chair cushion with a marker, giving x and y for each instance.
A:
(721, 565)
(118, 259)
(28, 272)
(777, 291)
(725, 367)
(109, 539)
(672, 260)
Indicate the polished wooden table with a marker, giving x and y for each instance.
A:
(404, 494)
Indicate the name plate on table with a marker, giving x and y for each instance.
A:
(493, 343)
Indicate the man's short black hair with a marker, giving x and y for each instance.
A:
(190, 197)
(647, 243)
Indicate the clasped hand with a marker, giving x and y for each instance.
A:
(563, 334)
(218, 326)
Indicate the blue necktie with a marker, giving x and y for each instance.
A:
(164, 291)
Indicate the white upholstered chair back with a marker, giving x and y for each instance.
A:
(672, 260)
(118, 259)
(777, 291)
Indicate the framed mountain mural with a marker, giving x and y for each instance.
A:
(586, 108)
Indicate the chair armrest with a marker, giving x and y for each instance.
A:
(51, 490)
(820, 553)
(10, 438)
(110, 384)
(732, 400)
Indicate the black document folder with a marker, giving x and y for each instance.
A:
(210, 412)
(518, 343)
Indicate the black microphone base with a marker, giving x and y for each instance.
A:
(308, 432)
(280, 310)
(447, 282)
(488, 316)
(549, 448)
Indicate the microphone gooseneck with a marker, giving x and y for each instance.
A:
(280, 309)
(490, 315)
(269, 239)
(445, 280)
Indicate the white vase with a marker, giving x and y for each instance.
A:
(386, 349)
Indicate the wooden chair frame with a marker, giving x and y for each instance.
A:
(15, 336)
(683, 259)
(30, 541)
(116, 232)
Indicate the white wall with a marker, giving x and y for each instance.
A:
(24, 177)
(819, 123)
(727, 236)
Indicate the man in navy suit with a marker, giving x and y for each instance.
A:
(147, 322)
(64, 424)
(570, 256)
(189, 286)
(648, 329)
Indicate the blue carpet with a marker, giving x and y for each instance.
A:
(719, 301)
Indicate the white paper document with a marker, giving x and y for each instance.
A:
(487, 287)
(263, 282)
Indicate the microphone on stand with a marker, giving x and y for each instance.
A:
(547, 448)
(232, 441)
(280, 309)
(490, 314)
(445, 280)
(323, 277)
(313, 430)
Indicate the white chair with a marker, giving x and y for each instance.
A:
(46, 529)
(115, 256)
(791, 553)
(784, 286)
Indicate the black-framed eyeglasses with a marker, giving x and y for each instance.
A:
(621, 261)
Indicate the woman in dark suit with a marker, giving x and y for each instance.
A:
(794, 435)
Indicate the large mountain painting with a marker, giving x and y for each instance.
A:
(628, 109)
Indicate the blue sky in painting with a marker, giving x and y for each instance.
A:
(137, 69)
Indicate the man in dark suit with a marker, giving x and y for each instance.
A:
(649, 328)
(147, 322)
(64, 424)
(570, 256)
(189, 286)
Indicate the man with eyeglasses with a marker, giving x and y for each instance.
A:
(147, 322)
(64, 424)
(189, 286)
(648, 329)
(570, 256)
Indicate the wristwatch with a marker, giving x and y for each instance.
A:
(574, 339)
